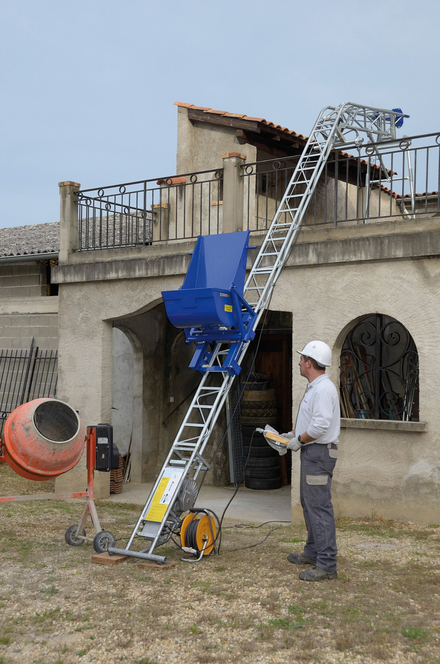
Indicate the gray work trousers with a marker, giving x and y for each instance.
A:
(317, 465)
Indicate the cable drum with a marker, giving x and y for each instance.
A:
(198, 531)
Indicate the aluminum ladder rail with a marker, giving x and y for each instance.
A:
(335, 126)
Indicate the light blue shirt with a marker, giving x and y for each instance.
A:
(319, 413)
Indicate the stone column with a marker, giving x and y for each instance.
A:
(68, 219)
(160, 213)
(233, 191)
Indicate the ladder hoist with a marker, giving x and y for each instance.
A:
(220, 313)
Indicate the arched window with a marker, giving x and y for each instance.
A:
(379, 371)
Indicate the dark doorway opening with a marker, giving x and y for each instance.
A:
(271, 356)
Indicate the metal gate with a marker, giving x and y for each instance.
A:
(26, 375)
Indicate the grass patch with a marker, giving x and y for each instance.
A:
(194, 629)
(414, 633)
(281, 623)
(368, 613)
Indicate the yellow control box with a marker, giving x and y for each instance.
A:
(276, 437)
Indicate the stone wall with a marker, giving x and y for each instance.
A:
(334, 277)
(25, 309)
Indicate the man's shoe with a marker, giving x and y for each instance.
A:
(317, 574)
(300, 559)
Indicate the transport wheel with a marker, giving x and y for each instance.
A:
(103, 540)
(71, 536)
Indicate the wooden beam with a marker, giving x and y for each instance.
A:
(225, 121)
(267, 144)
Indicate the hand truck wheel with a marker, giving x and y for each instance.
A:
(103, 540)
(73, 538)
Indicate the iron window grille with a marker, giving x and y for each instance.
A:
(379, 371)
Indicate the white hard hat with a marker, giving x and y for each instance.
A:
(319, 351)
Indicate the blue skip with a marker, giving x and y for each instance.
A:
(210, 306)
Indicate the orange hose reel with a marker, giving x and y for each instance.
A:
(42, 439)
(198, 529)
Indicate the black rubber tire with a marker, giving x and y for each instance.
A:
(262, 473)
(257, 386)
(249, 430)
(262, 462)
(259, 421)
(257, 441)
(265, 413)
(103, 540)
(262, 485)
(70, 538)
(255, 377)
(259, 452)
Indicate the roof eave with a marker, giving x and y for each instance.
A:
(20, 258)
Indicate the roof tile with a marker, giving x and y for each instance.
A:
(26, 240)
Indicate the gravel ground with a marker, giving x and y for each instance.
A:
(244, 605)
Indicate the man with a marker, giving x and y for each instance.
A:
(316, 434)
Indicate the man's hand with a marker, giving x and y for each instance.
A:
(293, 443)
(279, 447)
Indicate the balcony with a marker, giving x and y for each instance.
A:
(396, 180)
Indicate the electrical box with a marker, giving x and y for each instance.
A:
(107, 453)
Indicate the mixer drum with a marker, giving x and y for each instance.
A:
(42, 439)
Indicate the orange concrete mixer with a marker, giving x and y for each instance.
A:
(42, 439)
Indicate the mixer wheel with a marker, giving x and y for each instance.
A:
(71, 536)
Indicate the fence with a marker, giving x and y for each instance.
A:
(139, 213)
(380, 182)
(26, 375)
(399, 179)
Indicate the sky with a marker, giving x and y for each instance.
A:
(88, 88)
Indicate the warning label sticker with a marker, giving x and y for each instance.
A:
(163, 496)
(228, 307)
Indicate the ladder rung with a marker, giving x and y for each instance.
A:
(193, 424)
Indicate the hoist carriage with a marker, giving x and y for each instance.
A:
(210, 306)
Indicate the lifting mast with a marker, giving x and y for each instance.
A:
(347, 125)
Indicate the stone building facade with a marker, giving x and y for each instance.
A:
(365, 251)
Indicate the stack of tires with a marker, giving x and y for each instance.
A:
(258, 408)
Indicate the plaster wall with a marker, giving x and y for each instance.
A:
(122, 401)
(201, 145)
(394, 474)
(161, 378)
(334, 277)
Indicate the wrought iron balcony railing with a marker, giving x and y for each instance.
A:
(401, 180)
(394, 180)
(147, 211)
